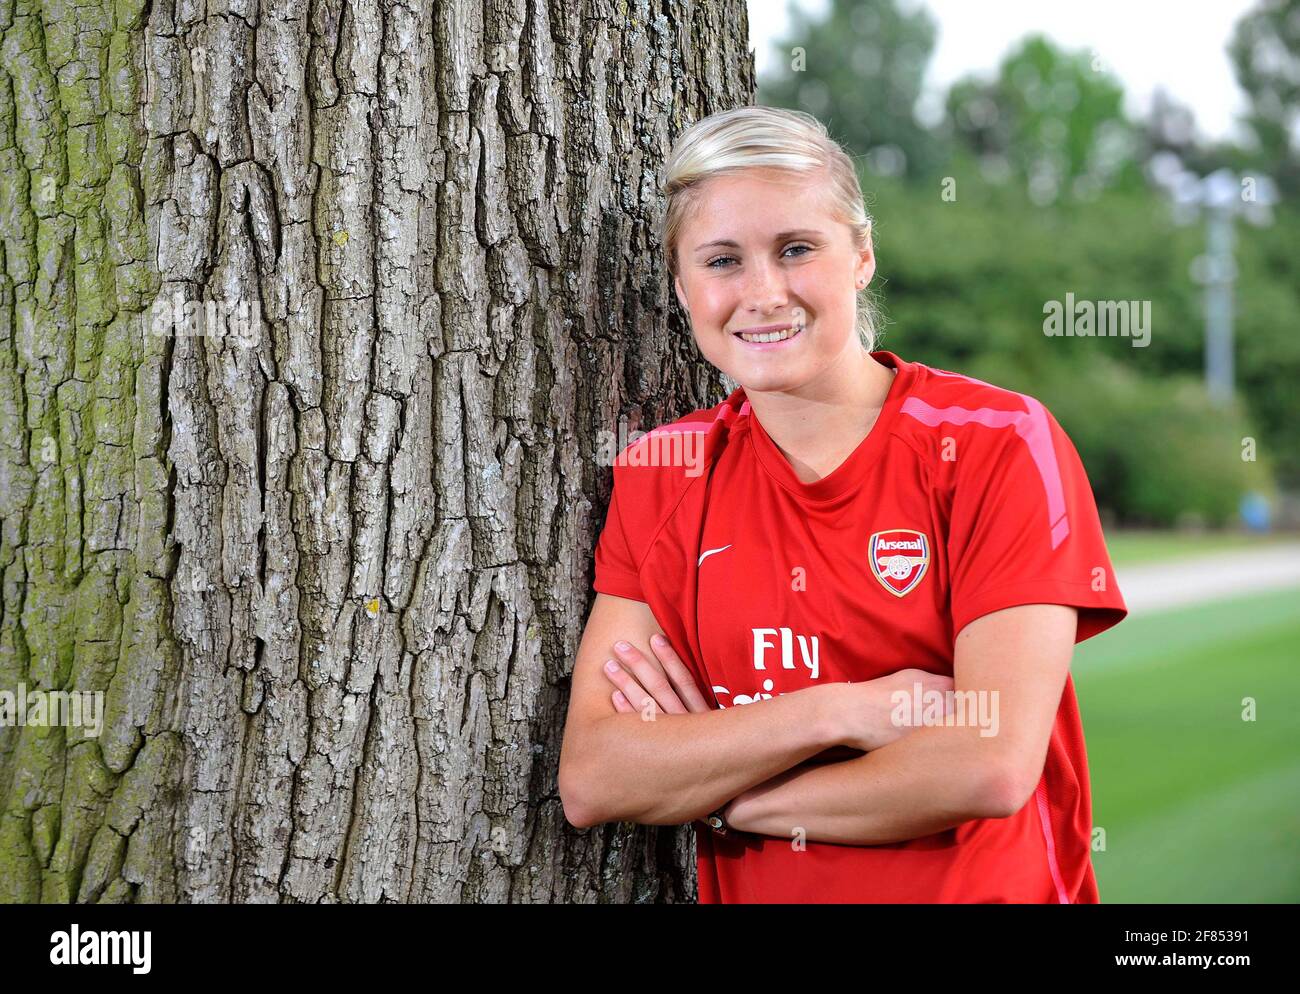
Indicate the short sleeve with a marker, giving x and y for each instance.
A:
(1024, 527)
(616, 570)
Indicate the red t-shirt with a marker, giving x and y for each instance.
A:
(963, 499)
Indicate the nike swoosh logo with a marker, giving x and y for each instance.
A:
(708, 552)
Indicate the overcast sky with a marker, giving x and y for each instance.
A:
(1146, 43)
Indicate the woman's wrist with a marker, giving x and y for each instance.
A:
(856, 716)
(838, 724)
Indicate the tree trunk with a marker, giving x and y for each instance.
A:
(324, 541)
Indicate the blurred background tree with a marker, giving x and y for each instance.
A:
(1036, 183)
(1053, 119)
(1265, 52)
(860, 69)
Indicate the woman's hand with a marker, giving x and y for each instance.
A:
(739, 811)
(661, 683)
(733, 813)
(867, 708)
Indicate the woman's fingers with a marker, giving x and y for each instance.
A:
(662, 679)
(620, 703)
(636, 697)
(678, 674)
(647, 677)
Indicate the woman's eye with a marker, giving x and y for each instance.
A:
(713, 263)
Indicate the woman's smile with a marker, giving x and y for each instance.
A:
(769, 336)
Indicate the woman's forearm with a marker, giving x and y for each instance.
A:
(680, 767)
(930, 780)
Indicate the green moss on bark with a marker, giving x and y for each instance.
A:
(87, 518)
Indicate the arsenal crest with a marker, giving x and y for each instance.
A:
(899, 558)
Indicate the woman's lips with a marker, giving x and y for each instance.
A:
(766, 329)
(762, 328)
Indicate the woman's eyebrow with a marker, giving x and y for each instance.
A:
(780, 236)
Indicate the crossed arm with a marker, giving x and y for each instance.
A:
(930, 778)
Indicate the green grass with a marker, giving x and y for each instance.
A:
(1197, 804)
(1131, 548)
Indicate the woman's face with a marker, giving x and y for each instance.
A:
(761, 250)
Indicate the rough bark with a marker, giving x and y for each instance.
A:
(328, 566)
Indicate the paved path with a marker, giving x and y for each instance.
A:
(1210, 577)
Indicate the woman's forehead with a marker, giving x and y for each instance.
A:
(784, 184)
(756, 207)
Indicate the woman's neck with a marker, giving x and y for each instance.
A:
(818, 427)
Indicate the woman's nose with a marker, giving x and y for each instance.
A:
(766, 289)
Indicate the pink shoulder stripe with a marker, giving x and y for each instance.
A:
(725, 414)
(1031, 425)
(677, 429)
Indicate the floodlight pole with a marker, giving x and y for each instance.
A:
(1219, 288)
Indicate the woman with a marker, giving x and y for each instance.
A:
(844, 539)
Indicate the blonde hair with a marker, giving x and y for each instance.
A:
(772, 138)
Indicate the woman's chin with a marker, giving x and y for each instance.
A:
(768, 380)
(767, 374)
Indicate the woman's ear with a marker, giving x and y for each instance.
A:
(681, 295)
(866, 267)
